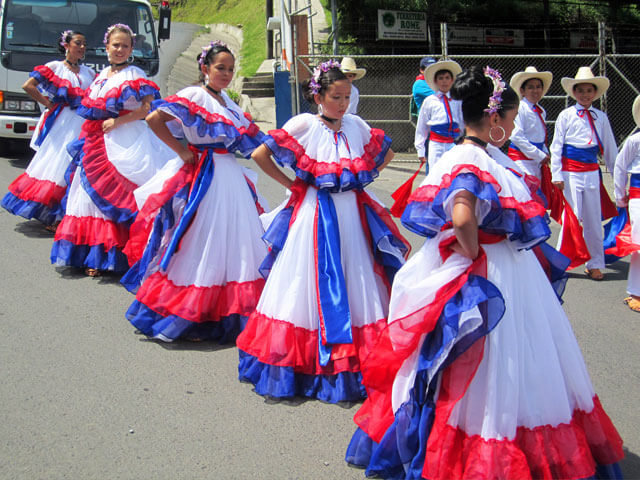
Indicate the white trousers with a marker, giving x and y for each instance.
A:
(582, 191)
(633, 282)
(436, 150)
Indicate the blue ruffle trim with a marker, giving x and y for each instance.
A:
(388, 250)
(173, 327)
(66, 253)
(404, 443)
(239, 142)
(32, 210)
(346, 180)
(58, 94)
(558, 264)
(428, 218)
(283, 382)
(163, 222)
(113, 105)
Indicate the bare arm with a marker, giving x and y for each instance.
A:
(137, 114)
(157, 121)
(262, 156)
(387, 158)
(31, 87)
(465, 224)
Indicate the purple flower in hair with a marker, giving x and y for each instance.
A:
(63, 37)
(314, 83)
(495, 101)
(205, 50)
(121, 26)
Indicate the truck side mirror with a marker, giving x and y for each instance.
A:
(164, 22)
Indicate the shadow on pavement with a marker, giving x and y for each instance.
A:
(630, 465)
(33, 229)
(186, 345)
(616, 271)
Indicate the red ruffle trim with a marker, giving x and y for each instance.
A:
(141, 227)
(526, 210)
(105, 179)
(92, 231)
(280, 343)
(317, 168)
(32, 189)
(567, 451)
(199, 304)
(101, 102)
(195, 109)
(58, 82)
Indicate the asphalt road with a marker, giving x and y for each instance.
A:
(84, 397)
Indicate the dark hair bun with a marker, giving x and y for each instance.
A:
(471, 83)
(326, 78)
(474, 89)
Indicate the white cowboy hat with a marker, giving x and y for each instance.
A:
(636, 111)
(348, 65)
(431, 70)
(519, 78)
(585, 75)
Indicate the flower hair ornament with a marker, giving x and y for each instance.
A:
(63, 37)
(314, 83)
(207, 48)
(495, 100)
(121, 26)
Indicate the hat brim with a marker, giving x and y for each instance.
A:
(360, 72)
(431, 70)
(520, 78)
(636, 111)
(601, 83)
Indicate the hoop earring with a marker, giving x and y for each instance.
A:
(497, 140)
(131, 59)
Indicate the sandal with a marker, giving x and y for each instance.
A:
(633, 303)
(594, 274)
(51, 228)
(92, 272)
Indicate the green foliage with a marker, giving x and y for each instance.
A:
(233, 95)
(249, 14)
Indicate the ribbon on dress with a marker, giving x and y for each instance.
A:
(48, 121)
(202, 180)
(333, 302)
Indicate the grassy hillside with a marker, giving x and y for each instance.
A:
(248, 13)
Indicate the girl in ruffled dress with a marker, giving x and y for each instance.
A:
(199, 266)
(479, 374)
(115, 153)
(334, 251)
(59, 86)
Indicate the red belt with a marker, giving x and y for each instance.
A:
(436, 137)
(569, 165)
(634, 192)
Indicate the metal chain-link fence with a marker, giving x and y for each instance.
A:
(385, 90)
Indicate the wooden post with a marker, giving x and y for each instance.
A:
(300, 25)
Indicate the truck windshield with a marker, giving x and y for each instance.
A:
(36, 25)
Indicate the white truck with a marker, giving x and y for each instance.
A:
(30, 35)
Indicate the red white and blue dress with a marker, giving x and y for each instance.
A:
(334, 250)
(198, 268)
(108, 168)
(479, 374)
(39, 191)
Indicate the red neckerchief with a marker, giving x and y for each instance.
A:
(420, 77)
